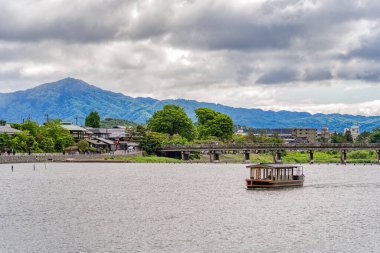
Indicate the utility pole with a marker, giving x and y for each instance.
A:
(47, 117)
(76, 120)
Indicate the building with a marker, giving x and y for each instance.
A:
(282, 133)
(102, 144)
(325, 133)
(241, 132)
(7, 129)
(77, 132)
(108, 139)
(354, 131)
(115, 133)
(305, 135)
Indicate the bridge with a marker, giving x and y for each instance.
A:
(215, 149)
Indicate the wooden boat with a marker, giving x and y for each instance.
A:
(274, 175)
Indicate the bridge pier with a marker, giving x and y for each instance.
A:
(277, 156)
(184, 151)
(216, 156)
(343, 157)
(246, 156)
(311, 156)
(186, 155)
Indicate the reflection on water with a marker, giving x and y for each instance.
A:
(185, 208)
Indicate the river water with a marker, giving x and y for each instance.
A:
(185, 208)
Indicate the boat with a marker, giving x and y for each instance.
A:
(275, 175)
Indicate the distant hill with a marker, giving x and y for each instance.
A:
(109, 123)
(71, 97)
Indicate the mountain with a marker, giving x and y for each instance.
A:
(70, 98)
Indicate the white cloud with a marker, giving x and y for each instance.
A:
(306, 55)
(369, 108)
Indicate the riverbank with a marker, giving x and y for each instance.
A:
(354, 157)
(301, 157)
(55, 157)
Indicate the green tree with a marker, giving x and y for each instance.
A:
(93, 120)
(24, 142)
(63, 142)
(240, 139)
(323, 139)
(49, 137)
(337, 138)
(151, 142)
(171, 120)
(212, 123)
(30, 126)
(363, 137)
(48, 144)
(205, 115)
(18, 143)
(347, 137)
(83, 145)
(5, 141)
(374, 137)
(31, 144)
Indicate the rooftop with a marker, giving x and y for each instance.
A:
(8, 129)
(272, 165)
(71, 127)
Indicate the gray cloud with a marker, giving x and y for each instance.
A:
(184, 48)
(278, 76)
(84, 21)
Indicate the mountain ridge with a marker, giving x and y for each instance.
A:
(70, 97)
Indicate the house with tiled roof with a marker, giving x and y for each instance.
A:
(77, 132)
(8, 130)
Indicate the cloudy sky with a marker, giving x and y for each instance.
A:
(311, 55)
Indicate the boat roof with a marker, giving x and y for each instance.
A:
(272, 166)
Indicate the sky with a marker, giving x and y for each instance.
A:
(311, 55)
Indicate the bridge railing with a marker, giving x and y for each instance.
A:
(271, 146)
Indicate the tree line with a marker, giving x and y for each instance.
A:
(365, 137)
(171, 125)
(49, 137)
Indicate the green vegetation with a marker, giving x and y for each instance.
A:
(172, 120)
(359, 156)
(93, 120)
(251, 138)
(171, 125)
(83, 145)
(109, 123)
(363, 137)
(151, 142)
(348, 137)
(2, 122)
(374, 137)
(212, 123)
(299, 157)
(50, 137)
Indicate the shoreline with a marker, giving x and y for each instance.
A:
(173, 162)
(363, 158)
(137, 157)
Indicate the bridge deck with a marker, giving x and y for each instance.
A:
(270, 146)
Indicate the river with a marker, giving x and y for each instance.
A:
(185, 208)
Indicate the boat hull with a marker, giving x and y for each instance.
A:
(267, 184)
